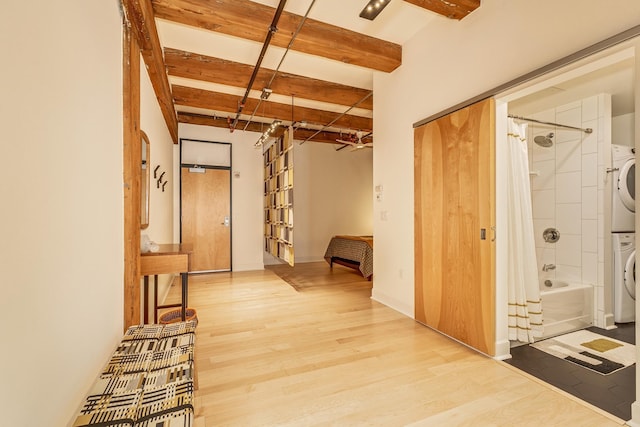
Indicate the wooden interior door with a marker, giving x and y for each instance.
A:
(206, 218)
(454, 219)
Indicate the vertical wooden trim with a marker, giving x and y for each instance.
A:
(132, 157)
(140, 17)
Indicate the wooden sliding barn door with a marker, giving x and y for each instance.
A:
(454, 225)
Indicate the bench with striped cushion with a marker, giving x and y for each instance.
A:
(149, 380)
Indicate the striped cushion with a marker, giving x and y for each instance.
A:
(147, 382)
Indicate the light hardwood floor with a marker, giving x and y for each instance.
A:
(315, 350)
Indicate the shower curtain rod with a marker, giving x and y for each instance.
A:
(585, 130)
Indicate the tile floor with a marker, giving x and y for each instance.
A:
(613, 393)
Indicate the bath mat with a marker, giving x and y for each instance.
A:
(593, 351)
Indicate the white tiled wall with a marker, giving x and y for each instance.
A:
(567, 184)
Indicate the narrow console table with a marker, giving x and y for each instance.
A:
(169, 259)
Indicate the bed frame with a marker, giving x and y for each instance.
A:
(354, 252)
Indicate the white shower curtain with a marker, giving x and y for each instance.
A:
(525, 309)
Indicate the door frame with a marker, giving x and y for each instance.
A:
(595, 57)
(227, 168)
(604, 57)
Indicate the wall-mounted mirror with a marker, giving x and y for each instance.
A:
(144, 181)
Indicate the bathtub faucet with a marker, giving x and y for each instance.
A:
(548, 267)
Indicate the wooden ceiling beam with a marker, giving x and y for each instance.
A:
(454, 9)
(223, 102)
(250, 20)
(140, 16)
(221, 122)
(200, 67)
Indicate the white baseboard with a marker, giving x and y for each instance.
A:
(635, 415)
(503, 350)
(308, 259)
(298, 260)
(392, 303)
(609, 322)
(249, 267)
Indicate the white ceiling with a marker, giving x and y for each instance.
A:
(616, 79)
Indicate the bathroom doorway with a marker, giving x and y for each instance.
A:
(571, 191)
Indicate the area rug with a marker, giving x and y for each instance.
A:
(593, 351)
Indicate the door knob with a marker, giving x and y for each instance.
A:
(226, 221)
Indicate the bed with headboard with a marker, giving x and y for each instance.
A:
(351, 251)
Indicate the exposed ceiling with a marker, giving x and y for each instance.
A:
(201, 54)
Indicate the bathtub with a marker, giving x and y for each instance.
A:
(566, 306)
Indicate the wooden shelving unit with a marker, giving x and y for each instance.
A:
(278, 198)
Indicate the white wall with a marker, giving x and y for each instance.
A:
(152, 122)
(622, 129)
(247, 192)
(569, 194)
(62, 218)
(332, 195)
(447, 63)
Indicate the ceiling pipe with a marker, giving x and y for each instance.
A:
(337, 118)
(284, 55)
(272, 29)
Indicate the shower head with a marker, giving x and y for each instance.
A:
(544, 140)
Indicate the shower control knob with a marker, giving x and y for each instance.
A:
(551, 235)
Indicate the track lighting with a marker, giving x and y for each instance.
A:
(373, 9)
(266, 92)
(267, 133)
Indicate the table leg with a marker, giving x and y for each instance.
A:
(185, 292)
(155, 298)
(146, 299)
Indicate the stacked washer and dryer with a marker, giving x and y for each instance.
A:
(623, 233)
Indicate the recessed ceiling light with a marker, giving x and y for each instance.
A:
(373, 8)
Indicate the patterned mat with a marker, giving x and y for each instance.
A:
(593, 351)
